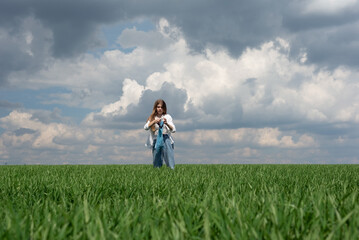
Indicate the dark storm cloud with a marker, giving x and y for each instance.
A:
(11, 58)
(329, 39)
(296, 21)
(59, 28)
(175, 100)
(74, 24)
(234, 25)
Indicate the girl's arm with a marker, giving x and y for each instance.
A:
(146, 127)
(169, 123)
(149, 124)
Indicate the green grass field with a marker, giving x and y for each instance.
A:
(192, 202)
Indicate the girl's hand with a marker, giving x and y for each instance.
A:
(155, 121)
(168, 125)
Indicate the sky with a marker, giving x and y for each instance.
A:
(246, 82)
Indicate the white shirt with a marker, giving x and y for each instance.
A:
(165, 130)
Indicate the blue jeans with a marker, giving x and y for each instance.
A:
(165, 153)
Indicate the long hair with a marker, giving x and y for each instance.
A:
(154, 111)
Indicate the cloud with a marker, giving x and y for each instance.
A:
(159, 39)
(266, 98)
(92, 82)
(35, 142)
(261, 137)
(29, 131)
(264, 79)
(23, 131)
(33, 32)
(28, 140)
(73, 25)
(23, 47)
(9, 105)
(132, 92)
(263, 87)
(328, 7)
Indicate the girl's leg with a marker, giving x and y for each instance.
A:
(168, 153)
(157, 156)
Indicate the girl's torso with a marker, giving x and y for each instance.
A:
(165, 129)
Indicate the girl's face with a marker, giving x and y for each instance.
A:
(159, 109)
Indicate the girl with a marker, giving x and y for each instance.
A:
(161, 126)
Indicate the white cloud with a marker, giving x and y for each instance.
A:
(132, 92)
(328, 6)
(43, 136)
(60, 143)
(268, 137)
(273, 137)
(91, 149)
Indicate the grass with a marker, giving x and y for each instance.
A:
(192, 202)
